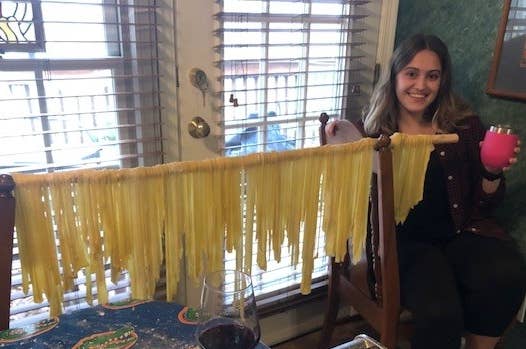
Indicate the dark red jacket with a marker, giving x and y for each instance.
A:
(469, 205)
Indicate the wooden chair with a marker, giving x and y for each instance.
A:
(7, 223)
(371, 286)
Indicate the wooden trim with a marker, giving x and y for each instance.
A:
(491, 89)
(386, 32)
(7, 223)
(324, 119)
(387, 250)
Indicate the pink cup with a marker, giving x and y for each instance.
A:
(498, 147)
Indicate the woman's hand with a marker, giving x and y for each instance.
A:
(341, 131)
(490, 185)
(513, 160)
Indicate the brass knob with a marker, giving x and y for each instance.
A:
(198, 127)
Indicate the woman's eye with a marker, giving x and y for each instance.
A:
(411, 74)
(434, 77)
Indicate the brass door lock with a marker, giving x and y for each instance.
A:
(198, 127)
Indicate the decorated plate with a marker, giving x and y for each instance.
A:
(17, 334)
(122, 338)
(188, 316)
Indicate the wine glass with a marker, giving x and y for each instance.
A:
(227, 316)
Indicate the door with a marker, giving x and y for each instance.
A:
(195, 50)
(197, 44)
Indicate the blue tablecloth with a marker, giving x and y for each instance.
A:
(134, 324)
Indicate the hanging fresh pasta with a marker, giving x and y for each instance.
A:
(135, 220)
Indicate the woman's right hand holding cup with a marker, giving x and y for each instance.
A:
(499, 149)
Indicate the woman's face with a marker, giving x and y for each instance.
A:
(417, 84)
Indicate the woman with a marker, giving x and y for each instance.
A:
(460, 274)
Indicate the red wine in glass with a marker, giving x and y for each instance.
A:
(227, 315)
(228, 336)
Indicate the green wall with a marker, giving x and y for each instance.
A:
(469, 28)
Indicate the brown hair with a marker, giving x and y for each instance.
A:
(446, 110)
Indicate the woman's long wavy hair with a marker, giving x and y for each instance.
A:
(446, 110)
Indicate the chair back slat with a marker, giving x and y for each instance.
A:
(372, 285)
(7, 223)
(389, 288)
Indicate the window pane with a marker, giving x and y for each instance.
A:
(283, 64)
(87, 29)
(20, 125)
(83, 117)
(20, 26)
(80, 30)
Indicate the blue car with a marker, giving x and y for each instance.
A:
(246, 142)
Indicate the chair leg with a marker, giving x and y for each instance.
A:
(329, 322)
(389, 339)
(333, 303)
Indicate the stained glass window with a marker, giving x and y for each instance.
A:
(21, 28)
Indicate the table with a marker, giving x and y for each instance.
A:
(137, 324)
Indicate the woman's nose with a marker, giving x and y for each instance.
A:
(420, 83)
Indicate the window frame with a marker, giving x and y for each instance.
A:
(128, 72)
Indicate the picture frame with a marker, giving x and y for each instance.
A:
(507, 76)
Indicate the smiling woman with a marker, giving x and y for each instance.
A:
(440, 243)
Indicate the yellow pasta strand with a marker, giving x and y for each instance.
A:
(410, 158)
(346, 191)
(173, 230)
(40, 267)
(250, 190)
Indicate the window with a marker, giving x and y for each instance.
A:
(21, 26)
(284, 62)
(516, 21)
(90, 98)
(87, 96)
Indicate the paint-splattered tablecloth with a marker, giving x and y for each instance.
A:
(136, 324)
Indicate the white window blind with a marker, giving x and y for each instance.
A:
(90, 97)
(283, 63)
(79, 88)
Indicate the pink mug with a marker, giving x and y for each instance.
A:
(498, 147)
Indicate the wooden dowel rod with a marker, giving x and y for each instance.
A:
(445, 138)
(436, 139)
(216, 164)
(219, 164)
